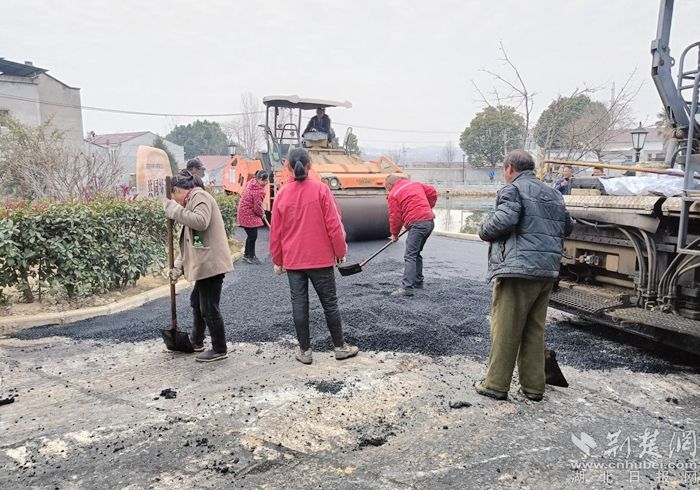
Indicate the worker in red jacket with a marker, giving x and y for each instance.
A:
(251, 213)
(411, 206)
(306, 240)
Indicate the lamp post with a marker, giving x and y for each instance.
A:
(464, 168)
(639, 137)
(232, 148)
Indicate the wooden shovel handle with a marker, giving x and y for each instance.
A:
(171, 261)
(364, 262)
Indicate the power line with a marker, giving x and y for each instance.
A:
(230, 114)
(397, 130)
(121, 111)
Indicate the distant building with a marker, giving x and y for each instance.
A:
(125, 145)
(618, 148)
(32, 96)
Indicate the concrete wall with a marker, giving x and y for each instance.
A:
(26, 112)
(450, 175)
(66, 119)
(32, 112)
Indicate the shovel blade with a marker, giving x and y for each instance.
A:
(552, 373)
(177, 341)
(349, 270)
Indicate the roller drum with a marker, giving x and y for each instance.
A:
(365, 216)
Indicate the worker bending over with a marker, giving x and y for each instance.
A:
(526, 236)
(204, 259)
(411, 206)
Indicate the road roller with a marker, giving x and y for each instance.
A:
(357, 185)
(633, 261)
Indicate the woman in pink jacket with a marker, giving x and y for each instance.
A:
(250, 214)
(307, 239)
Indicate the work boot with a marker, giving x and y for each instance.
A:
(255, 261)
(535, 397)
(346, 352)
(210, 356)
(418, 285)
(484, 391)
(402, 292)
(304, 357)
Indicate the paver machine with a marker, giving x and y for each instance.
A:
(633, 262)
(357, 185)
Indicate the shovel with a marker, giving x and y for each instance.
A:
(174, 339)
(349, 270)
(552, 372)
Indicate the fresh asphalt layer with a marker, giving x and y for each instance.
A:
(101, 403)
(448, 317)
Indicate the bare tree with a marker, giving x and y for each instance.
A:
(517, 93)
(244, 130)
(449, 153)
(37, 162)
(599, 124)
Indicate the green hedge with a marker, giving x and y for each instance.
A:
(79, 249)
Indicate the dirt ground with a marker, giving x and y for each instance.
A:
(92, 407)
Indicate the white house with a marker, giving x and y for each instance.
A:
(125, 145)
(32, 96)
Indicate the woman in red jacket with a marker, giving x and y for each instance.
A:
(307, 239)
(250, 213)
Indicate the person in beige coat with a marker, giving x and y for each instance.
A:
(204, 259)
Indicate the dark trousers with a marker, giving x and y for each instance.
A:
(204, 300)
(413, 260)
(323, 281)
(250, 241)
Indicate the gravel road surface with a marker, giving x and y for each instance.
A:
(91, 410)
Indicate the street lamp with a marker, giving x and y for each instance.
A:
(232, 148)
(639, 136)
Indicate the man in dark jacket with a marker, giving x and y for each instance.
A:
(563, 185)
(320, 122)
(526, 235)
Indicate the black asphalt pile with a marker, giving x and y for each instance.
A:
(448, 317)
(168, 394)
(332, 387)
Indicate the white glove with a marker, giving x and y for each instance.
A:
(279, 270)
(176, 272)
(170, 207)
(341, 261)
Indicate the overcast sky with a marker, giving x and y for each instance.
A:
(403, 64)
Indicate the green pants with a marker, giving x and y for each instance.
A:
(518, 314)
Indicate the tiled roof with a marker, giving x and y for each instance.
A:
(116, 138)
(8, 67)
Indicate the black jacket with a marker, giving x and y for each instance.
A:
(323, 125)
(527, 230)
